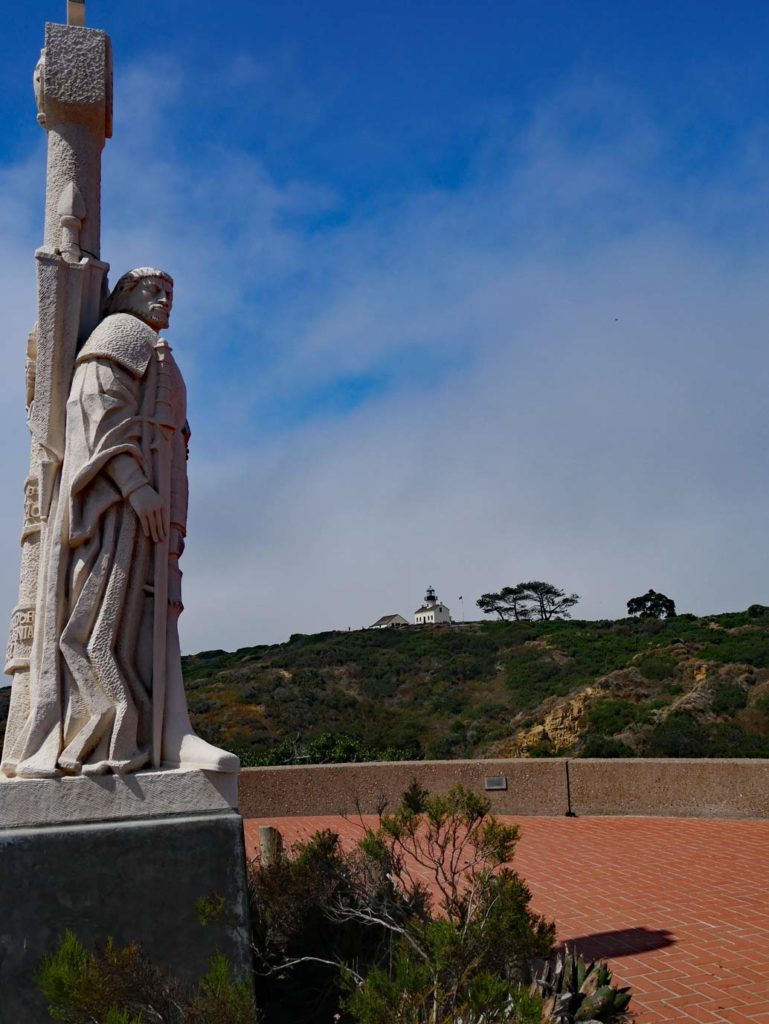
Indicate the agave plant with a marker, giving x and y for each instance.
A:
(574, 992)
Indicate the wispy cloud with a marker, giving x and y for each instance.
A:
(556, 369)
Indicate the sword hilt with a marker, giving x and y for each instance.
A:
(76, 12)
(164, 412)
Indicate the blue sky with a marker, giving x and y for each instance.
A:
(466, 294)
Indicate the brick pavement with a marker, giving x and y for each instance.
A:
(680, 907)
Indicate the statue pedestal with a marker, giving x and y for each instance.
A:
(122, 857)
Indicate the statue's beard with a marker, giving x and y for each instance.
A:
(155, 317)
(158, 315)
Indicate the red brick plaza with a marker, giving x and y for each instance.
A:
(679, 906)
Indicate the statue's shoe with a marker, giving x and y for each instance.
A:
(190, 751)
(8, 768)
(29, 770)
(132, 764)
(138, 761)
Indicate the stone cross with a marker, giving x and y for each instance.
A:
(76, 12)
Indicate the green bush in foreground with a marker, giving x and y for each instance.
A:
(392, 951)
(120, 986)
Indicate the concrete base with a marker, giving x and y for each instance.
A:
(149, 794)
(135, 880)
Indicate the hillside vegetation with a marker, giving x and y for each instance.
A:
(681, 687)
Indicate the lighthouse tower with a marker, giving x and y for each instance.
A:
(432, 612)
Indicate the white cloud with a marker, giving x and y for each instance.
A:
(574, 355)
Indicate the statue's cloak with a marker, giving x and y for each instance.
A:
(91, 666)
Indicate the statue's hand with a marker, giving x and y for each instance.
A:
(148, 505)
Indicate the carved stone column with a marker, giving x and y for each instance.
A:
(73, 89)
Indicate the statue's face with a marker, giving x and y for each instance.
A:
(151, 301)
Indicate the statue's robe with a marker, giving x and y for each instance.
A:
(90, 705)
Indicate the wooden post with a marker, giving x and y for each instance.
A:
(270, 845)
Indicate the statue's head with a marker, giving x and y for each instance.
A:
(144, 293)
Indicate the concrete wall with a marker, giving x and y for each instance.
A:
(547, 786)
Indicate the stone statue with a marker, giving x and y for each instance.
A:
(88, 824)
(93, 647)
(105, 690)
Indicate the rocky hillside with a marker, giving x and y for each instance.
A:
(685, 687)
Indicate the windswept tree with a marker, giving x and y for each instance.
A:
(549, 602)
(510, 603)
(651, 605)
(525, 601)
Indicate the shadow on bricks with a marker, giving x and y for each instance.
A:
(623, 942)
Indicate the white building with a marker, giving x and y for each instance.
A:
(388, 621)
(432, 611)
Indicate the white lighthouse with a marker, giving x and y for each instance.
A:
(432, 611)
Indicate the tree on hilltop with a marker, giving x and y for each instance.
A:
(524, 601)
(549, 602)
(651, 605)
(509, 603)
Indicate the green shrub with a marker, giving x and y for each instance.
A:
(542, 748)
(611, 716)
(750, 648)
(681, 735)
(328, 748)
(532, 674)
(657, 666)
(605, 746)
(728, 699)
(390, 948)
(120, 986)
(654, 705)
(220, 999)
